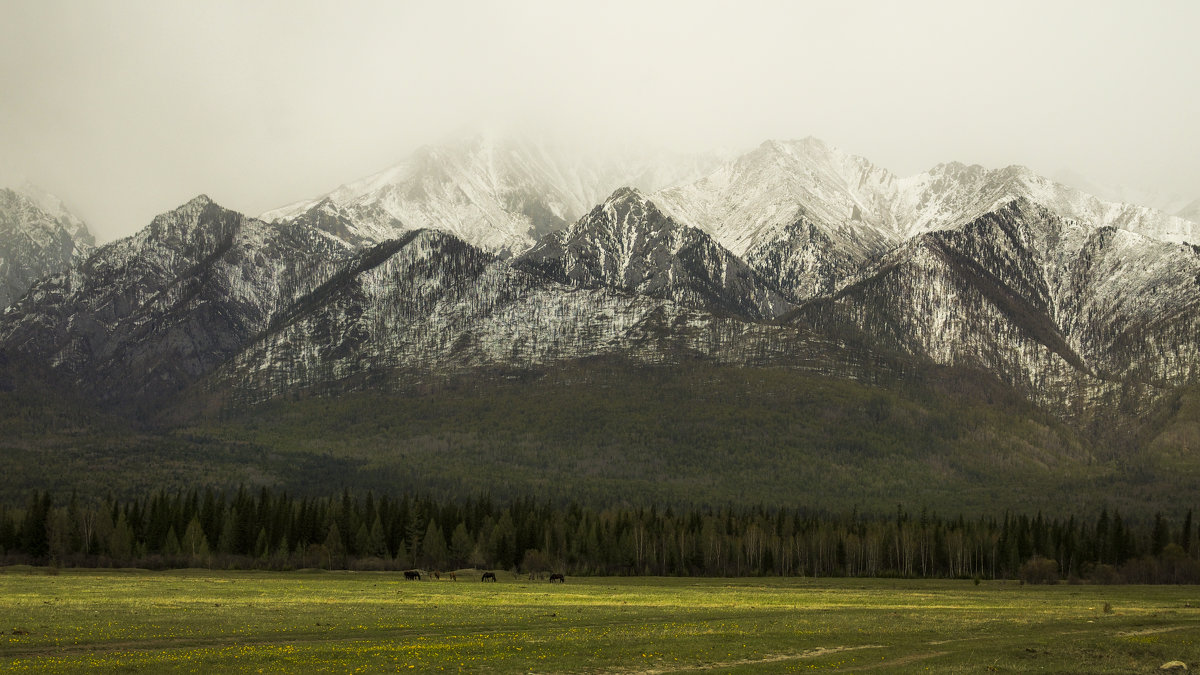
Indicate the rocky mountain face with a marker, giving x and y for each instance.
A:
(796, 255)
(146, 316)
(628, 243)
(499, 194)
(38, 237)
(429, 303)
(1057, 308)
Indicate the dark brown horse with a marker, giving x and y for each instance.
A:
(488, 576)
(559, 578)
(410, 575)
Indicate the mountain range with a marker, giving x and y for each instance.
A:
(494, 257)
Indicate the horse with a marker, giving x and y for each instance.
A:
(559, 578)
(488, 576)
(453, 576)
(410, 575)
(437, 576)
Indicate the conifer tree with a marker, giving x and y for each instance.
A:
(433, 547)
(1185, 533)
(171, 546)
(376, 539)
(461, 546)
(120, 542)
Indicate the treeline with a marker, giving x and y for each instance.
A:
(274, 530)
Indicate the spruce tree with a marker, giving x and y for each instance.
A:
(433, 547)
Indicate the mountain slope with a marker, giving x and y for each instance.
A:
(1053, 307)
(429, 305)
(936, 297)
(628, 243)
(38, 237)
(147, 315)
(1131, 307)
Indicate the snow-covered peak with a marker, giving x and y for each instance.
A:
(760, 196)
(39, 236)
(193, 230)
(197, 203)
(496, 192)
(619, 206)
(628, 243)
(743, 202)
(43, 219)
(56, 209)
(187, 214)
(619, 227)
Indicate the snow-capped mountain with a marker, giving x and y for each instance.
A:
(948, 194)
(147, 315)
(628, 243)
(39, 236)
(1050, 305)
(500, 194)
(1071, 300)
(809, 215)
(802, 213)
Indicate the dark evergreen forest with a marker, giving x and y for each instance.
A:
(265, 529)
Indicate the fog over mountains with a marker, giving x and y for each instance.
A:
(493, 254)
(39, 236)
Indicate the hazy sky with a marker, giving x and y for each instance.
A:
(127, 109)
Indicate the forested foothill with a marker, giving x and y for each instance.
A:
(595, 469)
(606, 434)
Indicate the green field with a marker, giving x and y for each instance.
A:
(199, 621)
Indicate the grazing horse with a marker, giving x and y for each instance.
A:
(437, 576)
(453, 576)
(559, 578)
(488, 576)
(410, 575)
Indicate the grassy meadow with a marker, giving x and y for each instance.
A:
(200, 621)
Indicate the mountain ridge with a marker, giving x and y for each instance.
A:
(1000, 270)
(498, 193)
(628, 243)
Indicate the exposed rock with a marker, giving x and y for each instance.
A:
(627, 243)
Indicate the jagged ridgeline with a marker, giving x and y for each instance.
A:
(1061, 328)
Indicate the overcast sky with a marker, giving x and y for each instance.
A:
(127, 109)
